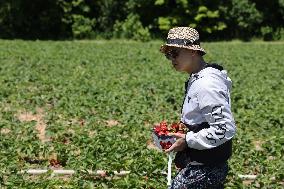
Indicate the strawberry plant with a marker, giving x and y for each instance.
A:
(91, 105)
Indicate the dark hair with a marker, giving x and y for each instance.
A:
(215, 65)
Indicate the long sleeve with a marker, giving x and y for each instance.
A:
(214, 104)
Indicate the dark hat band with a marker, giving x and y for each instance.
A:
(184, 42)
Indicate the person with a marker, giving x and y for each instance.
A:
(202, 153)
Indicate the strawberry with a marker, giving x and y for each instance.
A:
(168, 145)
(157, 129)
(175, 127)
(165, 145)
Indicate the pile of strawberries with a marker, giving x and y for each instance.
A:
(162, 130)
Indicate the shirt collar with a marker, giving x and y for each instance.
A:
(200, 71)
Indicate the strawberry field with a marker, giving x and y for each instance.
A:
(90, 105)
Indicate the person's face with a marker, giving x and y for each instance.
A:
(181, 59)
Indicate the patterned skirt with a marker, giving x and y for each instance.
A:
(201, 177)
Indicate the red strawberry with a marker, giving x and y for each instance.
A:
(165, 145)
(157, 129)
(168, 145)
(163, 123)
(162, 144)
(175, 127)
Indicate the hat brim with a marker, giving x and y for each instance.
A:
(165, 48)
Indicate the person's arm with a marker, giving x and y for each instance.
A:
(214, 104)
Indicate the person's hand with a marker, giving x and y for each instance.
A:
(180, 143)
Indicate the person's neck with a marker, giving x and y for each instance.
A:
(199, 66)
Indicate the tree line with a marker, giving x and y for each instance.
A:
(140, 19)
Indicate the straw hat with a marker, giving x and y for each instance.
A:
(183, 37)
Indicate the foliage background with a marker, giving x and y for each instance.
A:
(141, 19)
